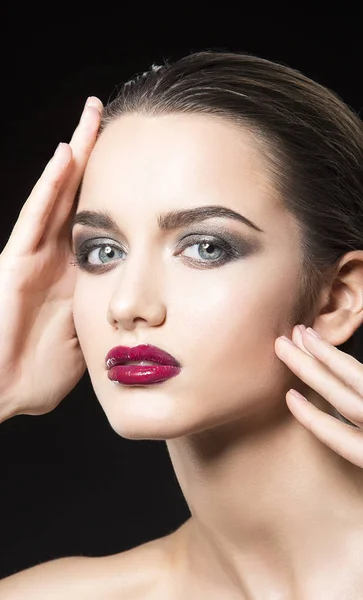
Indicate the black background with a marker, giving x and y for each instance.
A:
(69, 484)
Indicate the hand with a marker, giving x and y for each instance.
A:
(40, 357)
(337, 377)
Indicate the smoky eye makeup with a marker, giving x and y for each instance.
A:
(237, 241)
(85, 236)
(214, 246)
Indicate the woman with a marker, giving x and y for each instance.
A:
(219, 220)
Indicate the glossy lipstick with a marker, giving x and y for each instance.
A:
(118, 361)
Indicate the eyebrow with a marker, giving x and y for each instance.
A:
(102, 219)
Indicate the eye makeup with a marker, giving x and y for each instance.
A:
(231, 246)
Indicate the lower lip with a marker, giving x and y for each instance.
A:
(142, 375)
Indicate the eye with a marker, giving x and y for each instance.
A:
(205, 250)
(104, 253)
(208, 251)
(93, 254)
(201, 251)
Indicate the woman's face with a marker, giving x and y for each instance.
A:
(214, 293)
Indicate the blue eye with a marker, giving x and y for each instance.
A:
(206, 250)
(104, 252)
(210, 252)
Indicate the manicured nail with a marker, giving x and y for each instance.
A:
(313, 332)
(285, 339)
(298, 395)
(57, 151)
(58, 148)
(94, 102)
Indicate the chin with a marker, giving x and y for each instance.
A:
(140, 427)
(137, 413)
(142, 413)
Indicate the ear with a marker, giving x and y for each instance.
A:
(341, 313)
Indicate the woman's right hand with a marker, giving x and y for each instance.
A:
(40, 357)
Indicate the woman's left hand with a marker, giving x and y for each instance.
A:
(338, 378)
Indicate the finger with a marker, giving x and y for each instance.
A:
(298, 340)
(82, 143)
(34, 215)
(344, 439)
(83, 140)
(316, 373)
(343, 365)
(85, 134)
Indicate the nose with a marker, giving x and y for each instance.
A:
(136, 297)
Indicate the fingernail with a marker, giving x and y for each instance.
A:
(92, 103)
(298, 395)
(312, 332)
(285, 339)
(57, 148)
(95, 102)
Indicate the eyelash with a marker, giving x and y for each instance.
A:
(230, 253)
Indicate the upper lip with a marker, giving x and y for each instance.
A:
(121, 355)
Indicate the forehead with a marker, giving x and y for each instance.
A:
(199, 143)
(178, 161)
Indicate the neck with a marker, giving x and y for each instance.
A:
(272, 505)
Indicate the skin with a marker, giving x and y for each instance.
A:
(37, 282)
(275, 506)
(187, 562)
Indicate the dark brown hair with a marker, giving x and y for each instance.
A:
(311, 140)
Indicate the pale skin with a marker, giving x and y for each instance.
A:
(274, 484)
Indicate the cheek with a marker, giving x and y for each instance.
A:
(89, 314)
(234, 327)
(229, 327)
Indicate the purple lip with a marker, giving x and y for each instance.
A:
(121, 355)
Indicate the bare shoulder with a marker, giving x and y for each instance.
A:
(142, 573)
